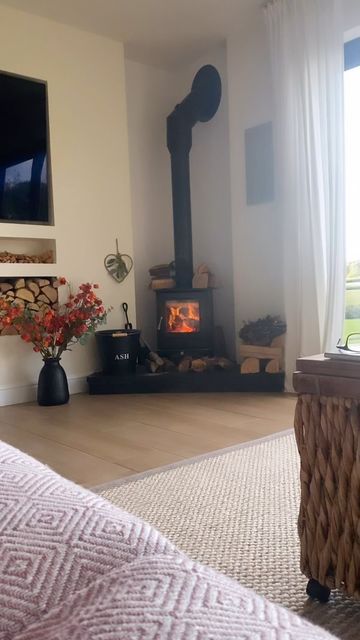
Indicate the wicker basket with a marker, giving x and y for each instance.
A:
(328, 438)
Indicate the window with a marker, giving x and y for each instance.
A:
(352, 184)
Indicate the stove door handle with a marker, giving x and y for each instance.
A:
(160, 323)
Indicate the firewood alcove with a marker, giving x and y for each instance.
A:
(37, 294)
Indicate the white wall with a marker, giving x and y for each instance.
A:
(256, 230)
(90, 169)
(150, 98)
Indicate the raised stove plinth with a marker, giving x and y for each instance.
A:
(175, 382)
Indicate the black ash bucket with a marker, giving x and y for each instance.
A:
(119, 350)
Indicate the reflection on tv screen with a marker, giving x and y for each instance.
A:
(23, 150)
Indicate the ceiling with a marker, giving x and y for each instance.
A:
(160, 32)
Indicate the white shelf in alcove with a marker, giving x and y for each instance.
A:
(15, 230)
(21, 270)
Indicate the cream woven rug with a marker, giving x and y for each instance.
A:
(236, 510)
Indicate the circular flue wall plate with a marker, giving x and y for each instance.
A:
(206, 92)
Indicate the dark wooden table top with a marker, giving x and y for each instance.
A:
(329, 377)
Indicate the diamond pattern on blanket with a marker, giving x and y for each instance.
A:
(56, 539)
(169, 598)
(74, 567)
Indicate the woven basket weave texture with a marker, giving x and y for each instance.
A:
(328, 438)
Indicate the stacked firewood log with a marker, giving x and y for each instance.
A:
(157, 364)
(37, 294)
(22, 258)
(162, 276)
(204, 278)
(256, 358)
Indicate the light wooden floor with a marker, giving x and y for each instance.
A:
(95, 439)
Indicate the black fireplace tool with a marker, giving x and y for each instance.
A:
(144, 348)
(128, 325)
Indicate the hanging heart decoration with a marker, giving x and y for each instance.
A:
(118, 265)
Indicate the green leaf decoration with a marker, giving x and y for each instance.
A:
(118, 265)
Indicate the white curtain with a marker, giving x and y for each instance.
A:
(306, 41)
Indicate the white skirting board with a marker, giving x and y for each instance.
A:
(27, 393)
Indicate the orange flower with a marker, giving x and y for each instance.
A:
(53, 331)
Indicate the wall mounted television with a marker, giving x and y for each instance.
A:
(24, 150)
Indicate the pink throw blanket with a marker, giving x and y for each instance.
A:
(74, 567)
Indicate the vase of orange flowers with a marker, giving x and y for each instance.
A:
(55, 330)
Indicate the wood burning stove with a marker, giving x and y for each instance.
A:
(185, 323)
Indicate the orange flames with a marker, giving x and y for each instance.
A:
(182, 316)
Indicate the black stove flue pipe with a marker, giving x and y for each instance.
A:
(200, 105)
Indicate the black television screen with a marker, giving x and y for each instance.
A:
(24, 192)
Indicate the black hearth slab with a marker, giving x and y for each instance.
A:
(208, 381)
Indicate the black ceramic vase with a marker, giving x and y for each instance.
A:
(53, 385)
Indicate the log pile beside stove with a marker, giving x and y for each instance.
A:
(156, 364)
